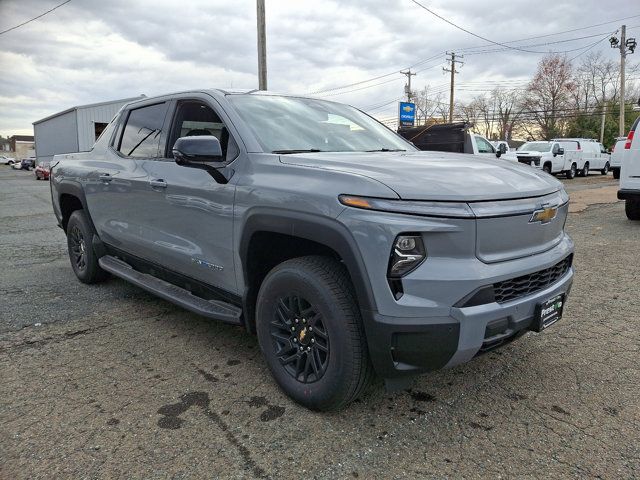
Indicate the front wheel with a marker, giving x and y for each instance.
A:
(571, 173)
(310, 332)
(547, 168)
(632, 209)
(605, 170)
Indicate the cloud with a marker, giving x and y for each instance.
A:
(90, 51)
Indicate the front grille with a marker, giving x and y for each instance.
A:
(528, 160)
(528, 284)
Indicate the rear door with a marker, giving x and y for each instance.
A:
(190, 213)
(630, 174)
(118, 190)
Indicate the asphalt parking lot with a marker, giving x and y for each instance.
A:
(107, 381)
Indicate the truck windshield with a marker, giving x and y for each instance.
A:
(535, 147)
(294, 125)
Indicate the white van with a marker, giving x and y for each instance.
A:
(615, 159)
(552, 156)
(630, 174)
(594, 154)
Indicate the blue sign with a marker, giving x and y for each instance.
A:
(407, 114)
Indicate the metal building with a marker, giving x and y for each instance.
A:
(75, 129)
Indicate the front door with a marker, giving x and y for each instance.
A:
(191, 214)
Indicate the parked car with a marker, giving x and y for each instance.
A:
(42, 171)
(24, 164)
(7, 160)
(630, 174)
(451, 137)
(348, 251)
(617, 152)
(552, 157)
(594, 154)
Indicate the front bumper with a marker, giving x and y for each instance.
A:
(409, 346)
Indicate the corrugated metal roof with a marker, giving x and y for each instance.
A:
(78, 107)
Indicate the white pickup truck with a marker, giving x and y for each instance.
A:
(552, 156)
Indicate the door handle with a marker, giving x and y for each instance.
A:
(158, 183)
(105, 177)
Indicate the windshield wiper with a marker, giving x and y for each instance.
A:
(299, 150)
(387, 150)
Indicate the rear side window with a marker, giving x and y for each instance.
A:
(141, 135)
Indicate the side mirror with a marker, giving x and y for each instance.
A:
(560, 151)
(197, 150)
(503, 148)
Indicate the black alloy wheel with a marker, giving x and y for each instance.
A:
(300, 338)
(78, 248)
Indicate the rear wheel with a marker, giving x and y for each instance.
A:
(605, 170)
(84, 260)
(311, 334)
(585, 170)
(571, 173)
(632, 209)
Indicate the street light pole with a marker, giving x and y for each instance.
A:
(262, 47)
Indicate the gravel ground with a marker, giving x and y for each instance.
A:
(108, 382)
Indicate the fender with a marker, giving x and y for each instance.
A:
(323, 230)
(68, 187)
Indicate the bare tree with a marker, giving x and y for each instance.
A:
(549, 94)
(426, 104)
(507, 109)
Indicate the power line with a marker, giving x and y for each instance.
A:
(560, 33)
(341, 87)
(35, 18)
(469, 31)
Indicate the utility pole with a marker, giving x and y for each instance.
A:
(453, 61)
(262, 47)
(625, 45)
(407, 87)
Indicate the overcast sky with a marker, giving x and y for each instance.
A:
(91, 51)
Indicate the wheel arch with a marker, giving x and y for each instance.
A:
(303, 234)
(70, 197)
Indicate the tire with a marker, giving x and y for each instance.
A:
(632, 209)
(317, 292)
(571, 173)
(547, 168)
(605, 170)
(84, 260)
(585, 170)
(616, 174)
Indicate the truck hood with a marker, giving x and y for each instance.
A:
(436, 175)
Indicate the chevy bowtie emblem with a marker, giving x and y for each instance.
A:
(544, 215)
(407, 108)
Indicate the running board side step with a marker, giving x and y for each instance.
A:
(215, 309)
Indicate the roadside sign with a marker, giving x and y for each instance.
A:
(407, 112)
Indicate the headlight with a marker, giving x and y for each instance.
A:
(407, 253)
(426, 208)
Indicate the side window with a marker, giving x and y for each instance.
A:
(195, 118)
(555, 148)
(484, 146)
(141, 135)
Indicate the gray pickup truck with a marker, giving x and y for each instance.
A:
(346, 250)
